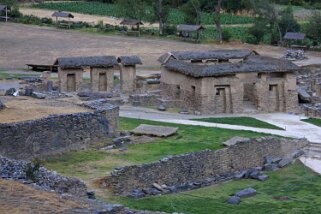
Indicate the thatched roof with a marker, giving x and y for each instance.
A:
(3, 7)
(131, 22)
(62, 14)
(129, 60)
(207, 55)
(189, 28)
(91, 61)
(295, 36)
(251, 64)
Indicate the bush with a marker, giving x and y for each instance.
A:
(226, 35)
(251, 39)
(170, 30)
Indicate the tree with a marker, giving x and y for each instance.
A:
(273, 22)
(133, 9)
(313, 27)
(192, 10)
(217, 19)
(161, 12)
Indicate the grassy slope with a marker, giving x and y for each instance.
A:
(94, 164)
(301, 185)
(242, 121)
(104, 9)
(313, 121)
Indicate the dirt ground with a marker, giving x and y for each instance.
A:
(19, 198)
(27, 108)
(22, 44)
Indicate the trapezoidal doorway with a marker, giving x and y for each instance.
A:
(71, 82)
(222, 99)
(102, 82)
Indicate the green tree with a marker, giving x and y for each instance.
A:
(313, 27)
(193, 11)
(133, 9)
(161, 11)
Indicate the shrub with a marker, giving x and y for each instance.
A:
(226, 35)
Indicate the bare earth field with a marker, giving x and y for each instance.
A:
(20, 198)
(27, 108)
(22, 44)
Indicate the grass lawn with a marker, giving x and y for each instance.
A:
(313, 121)
(242, 121)
(302, 186)
(90, 164)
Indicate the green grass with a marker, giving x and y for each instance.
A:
(5, 75)
(104, 9)
(300, 184)
(313, 121)
(242, 121)
(94, 163)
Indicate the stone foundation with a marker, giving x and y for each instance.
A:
(199, 166)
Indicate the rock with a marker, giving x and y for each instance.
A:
(120, 140)
(91, 194)
(136, 193)
(234, 200)
(123, 149)
(268, 160)
(50, 85)
(28, 92)
(254, 174)
(161, 108)
(2, 106)
(10, 92)
(158, 131)
(246, 193)
(240, 175)
(235, 140)
(297, 154)
(262, 177)
(108, 147)
(157, 186)
(304, 95)
(197, 113)
(38, 95)
(270, 167)
(285, 162)
(276, 160)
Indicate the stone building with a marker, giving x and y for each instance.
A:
(71, 69)
(229, 81)
(128, 72)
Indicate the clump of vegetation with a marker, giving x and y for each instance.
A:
(32, 170)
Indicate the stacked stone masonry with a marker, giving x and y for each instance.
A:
(197, 166)
(56, 134)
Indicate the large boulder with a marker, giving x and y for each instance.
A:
(246, 193)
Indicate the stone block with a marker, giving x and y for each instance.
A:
(158, 131)
(235, 200)
(285, 162)
(246, 193)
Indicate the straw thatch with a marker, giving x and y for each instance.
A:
(92, 61)
(129, 60)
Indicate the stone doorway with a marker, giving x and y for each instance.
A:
(250, 98)
(71, 82)
(102, 82)
(274, 103)
(221, 106)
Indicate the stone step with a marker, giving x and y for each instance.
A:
(314, 145)
(313, 154)
(314, 149)
(317, 157)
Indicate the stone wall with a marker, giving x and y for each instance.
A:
(198, 166)
(72, 84)
(312, 111)
(55, 134)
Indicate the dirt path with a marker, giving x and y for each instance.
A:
(79, 17)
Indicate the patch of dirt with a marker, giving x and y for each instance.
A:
(25, 44)
(19, 198)
(27, 108)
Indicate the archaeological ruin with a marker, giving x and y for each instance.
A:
(102, 70)
(229, 81)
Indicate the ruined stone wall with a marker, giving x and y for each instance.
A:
(312, 111)
(128, 79)
(201, 165)
(55, 134)
(99, 84)
(63, 80)
(176, 86)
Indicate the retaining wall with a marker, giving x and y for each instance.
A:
(182, 169)
(55, 134)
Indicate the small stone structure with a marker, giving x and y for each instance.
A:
(229, 81)
(128, 73)
(102, 69)
(201, 167)
(56, 134)
(158, 131)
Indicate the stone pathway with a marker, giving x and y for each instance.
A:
(292, 124)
